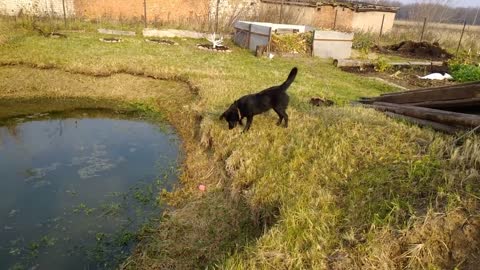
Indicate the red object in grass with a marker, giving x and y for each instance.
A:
(202, 187)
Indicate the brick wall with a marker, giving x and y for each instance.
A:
(39, 7)
(325, 18)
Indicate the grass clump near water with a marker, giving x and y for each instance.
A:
(342, 188)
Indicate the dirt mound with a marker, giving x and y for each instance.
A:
(423, 50)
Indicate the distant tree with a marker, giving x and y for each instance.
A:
(438, 11)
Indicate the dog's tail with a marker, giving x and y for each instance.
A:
(290, 79)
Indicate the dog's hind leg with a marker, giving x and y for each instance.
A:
(283, 116)
(280, 116)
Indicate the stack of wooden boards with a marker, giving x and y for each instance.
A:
(449, 109)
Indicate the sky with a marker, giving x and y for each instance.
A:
(457, 3)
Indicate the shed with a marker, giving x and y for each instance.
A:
(326, 44)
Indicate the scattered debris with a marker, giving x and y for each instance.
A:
(49, 34)
(437, 76)
(316, 101)
(162, 41)
(422, 50)
(111, 40)
(398, 74)
(116, 32)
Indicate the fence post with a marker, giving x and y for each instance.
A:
(281, 11)
(476, 16)
(216, 16)
(269, 41)
(145, 13)
(423, 28)
(64, 13)
(461, 37)
(381, 27)
(249, 35)
(335, 19)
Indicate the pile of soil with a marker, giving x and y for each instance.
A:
(216, 49)
(421, 50)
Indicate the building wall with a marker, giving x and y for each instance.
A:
(372, 21)
(291, 14)
(325, 18)
(157, 10)
(230, 11)
(38, 7)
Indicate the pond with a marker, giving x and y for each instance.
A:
(75, 188)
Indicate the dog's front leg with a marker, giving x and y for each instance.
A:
(249, 123)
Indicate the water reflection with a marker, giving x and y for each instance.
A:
(73, 191)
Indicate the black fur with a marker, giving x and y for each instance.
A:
(275, 98)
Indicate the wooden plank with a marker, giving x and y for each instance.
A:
(441, 88)
(448, 93)
(369, 63)
(444, 117)
(455, 103)
(425, 123)
(326, 39)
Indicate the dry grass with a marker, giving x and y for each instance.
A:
(448, 35)
(341, 188)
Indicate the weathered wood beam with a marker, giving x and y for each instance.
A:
(465, 91)
(441, 88)
(455, 103)
(368, 63)
(444, 117)
(425, 123)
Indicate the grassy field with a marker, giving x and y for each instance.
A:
(342, 188)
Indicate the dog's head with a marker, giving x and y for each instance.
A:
(232, 116)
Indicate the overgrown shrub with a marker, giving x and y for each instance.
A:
(382, 65)
(363, 42)
(465, 73)
(292, 43)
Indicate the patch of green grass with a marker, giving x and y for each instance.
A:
(465, 73)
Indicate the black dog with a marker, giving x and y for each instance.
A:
(275, 98)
